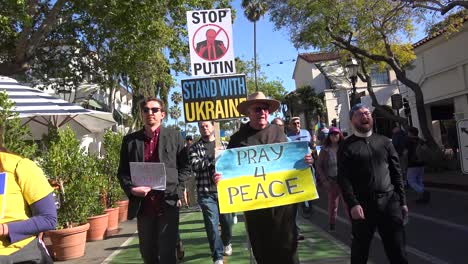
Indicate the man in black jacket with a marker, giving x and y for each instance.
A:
(272, 231)
(370, 178)
(156, 211)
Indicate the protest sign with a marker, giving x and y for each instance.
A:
(264, 176)
(211, 42)
(213, 98)
(149, 174)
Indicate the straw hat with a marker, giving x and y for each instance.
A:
(258, 97)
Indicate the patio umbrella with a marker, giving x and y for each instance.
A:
(37, 109)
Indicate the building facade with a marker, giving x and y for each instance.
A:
(324, 73)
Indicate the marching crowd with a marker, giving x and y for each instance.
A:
(363, 169)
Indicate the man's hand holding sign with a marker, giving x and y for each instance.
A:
(264, 176)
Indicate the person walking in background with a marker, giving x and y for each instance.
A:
(297, 134)
(415, 172)
(272, 231)
(279, 122)
(327, 167)
(29, 210)
(370, 179)
(156, 211)
(202, 160)
(399, 141)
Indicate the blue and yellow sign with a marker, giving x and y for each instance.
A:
(264, 176)
(213, 98)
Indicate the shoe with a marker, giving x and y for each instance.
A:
(228, 250)
(300, 237)
(219, 261)
(331, 228)
(180, 252)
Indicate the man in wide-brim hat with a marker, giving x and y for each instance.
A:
(272, 231)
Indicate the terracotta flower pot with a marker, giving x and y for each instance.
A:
(123, 210)
(68, 243)
(97, 227)
(113, 223)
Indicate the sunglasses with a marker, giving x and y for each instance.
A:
(154, 110)
(260, 109)
(297, 123)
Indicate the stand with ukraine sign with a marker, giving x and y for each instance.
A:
(264, 176)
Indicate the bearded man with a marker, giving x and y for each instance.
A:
(370, 178)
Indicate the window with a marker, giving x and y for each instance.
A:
(379, 77)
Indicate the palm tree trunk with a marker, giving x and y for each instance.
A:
(255, 55)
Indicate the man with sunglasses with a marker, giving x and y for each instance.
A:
(296, 133)
(271, 231)
(156, 211)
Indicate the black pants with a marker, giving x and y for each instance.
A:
(385, 215)
(158, 236)
(273, 235)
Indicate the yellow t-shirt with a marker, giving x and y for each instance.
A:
(25, 185)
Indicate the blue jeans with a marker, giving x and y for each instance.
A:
(211, 216)
(415, 178)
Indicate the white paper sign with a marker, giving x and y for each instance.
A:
(148, 174)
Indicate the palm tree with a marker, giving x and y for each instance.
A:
(254, 10)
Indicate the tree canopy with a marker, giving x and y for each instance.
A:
(134, 42)
(442, 6)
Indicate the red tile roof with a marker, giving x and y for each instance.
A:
(317, 57)
(436, 34)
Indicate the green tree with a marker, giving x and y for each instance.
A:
(14, 135)
(175, 113)
(254, 10)
(368, 29)
(136, 43)
(439, 6)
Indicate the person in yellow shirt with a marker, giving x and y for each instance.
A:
(27, 208)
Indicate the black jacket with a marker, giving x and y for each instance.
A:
(171, 152)
(368, 167)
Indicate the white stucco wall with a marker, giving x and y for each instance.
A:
(441, 69)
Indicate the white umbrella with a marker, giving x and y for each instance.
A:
(37, 109)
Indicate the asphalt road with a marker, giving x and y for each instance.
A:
(436, 232)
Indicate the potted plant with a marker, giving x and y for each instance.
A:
(69, 169)
(98, 219)
(113, 192)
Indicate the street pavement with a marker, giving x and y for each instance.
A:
(436, 232)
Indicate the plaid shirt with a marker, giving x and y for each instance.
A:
(203, 166)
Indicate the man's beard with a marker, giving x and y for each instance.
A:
(364, 128)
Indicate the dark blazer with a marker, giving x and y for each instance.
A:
(218, 50)
(171, 152)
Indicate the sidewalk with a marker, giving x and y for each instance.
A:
(98, 251)
(318, 247)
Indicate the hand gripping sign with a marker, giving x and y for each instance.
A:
(264, 176)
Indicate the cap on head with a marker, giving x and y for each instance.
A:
(332, 130)
(355, 108)
(258, 97)
(188, 138)
(294, 118)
